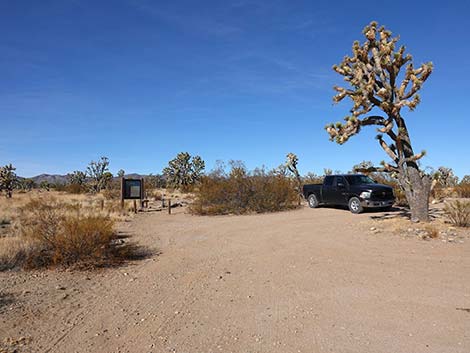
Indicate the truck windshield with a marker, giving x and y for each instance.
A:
(359, 179)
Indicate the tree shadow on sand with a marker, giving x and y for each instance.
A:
(403, 213)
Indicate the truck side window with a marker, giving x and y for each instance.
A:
(328, 181)
(339, 180)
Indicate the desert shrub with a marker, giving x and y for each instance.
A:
(61, 236)
(112, 194)
(463, 190)
(75, 189)
(458, 212)
(312, 178)
(240, 192)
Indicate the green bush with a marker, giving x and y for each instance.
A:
(240, 192)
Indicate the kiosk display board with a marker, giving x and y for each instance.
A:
(132, 189)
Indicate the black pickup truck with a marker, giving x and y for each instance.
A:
(356, 191)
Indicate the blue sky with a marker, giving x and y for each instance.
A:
(139, 81)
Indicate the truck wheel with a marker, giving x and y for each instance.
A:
(312, 201)
(355, 205)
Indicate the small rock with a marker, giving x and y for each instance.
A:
(60, 288)
(372, 228)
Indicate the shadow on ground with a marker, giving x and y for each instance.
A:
(404, 213)
(5, 300)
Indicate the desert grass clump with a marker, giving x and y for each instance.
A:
(463, 190)
(458, 213)
(61, 236)
(432, 232)
(14, 251)
(240, 192)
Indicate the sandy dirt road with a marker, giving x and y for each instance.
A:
(300, 281)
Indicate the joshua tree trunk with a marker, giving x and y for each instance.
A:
(417, 188)
(414, 182)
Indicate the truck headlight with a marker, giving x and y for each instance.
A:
(365, 194)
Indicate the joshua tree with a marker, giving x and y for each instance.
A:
(99, 174)
(291, 164)
(281, 170)
(121, 173)
(25, 184)
(183, 170)
(445, 177)
(77, 177)
(373, 72)
(327, 171)
(366, 167)
(45, 185)
(8, 179)
(465, 179)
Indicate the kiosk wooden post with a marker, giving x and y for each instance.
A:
(122, 193)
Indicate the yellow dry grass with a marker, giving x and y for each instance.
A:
(14, 246)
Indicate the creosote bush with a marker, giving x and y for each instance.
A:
(458, 213)
(240, 192)
(58, 235)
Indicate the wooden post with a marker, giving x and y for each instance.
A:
(102, 204)
(122, 193)
(142, 193)
(135, 206)
(169, 206)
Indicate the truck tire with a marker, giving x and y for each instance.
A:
(355, 205)
(312, 201)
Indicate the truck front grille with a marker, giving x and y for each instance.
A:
(382, 195)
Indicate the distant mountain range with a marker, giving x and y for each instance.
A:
(63, 179)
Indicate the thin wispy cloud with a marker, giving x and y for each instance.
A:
(189, 22)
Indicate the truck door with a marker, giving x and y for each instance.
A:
(340, 191)
(328, 190)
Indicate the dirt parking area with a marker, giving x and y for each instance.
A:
(310, 280)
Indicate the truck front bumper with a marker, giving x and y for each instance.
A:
(371, 203)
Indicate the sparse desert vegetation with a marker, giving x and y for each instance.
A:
(173, 257)
(57, 229)
(239, 191)
(458, 212)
